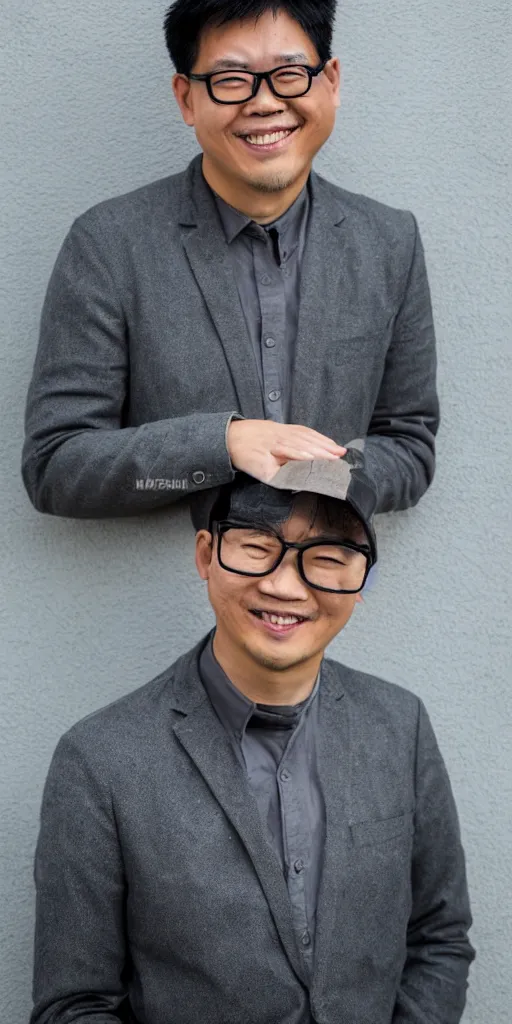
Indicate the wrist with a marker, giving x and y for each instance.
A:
(235, 417)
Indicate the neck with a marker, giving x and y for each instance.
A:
(263, 684)
(261, 207)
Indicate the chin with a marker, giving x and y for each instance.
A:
(272, 183)
(275, 660)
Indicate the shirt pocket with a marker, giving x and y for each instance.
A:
(373, 833)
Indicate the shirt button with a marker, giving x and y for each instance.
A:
(299, 865)
(274, 396)
(306, 939)
(270, 342)
(265, 279)
(198, 477)
(285, 775)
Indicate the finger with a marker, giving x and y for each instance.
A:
(314, 435)
(282, 451)
(307, 442)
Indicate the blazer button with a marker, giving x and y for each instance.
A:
(198, 477)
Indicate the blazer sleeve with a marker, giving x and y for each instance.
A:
(78, 459)
(79, 935)
(434, 980)
(400, 448)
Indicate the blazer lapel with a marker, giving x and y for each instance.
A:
(334, 771)
(321, 289)
(207, 251)
(206, 742)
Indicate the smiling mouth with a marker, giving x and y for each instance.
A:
(279, 620)
(269, 139)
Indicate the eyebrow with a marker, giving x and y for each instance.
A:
(282, 58)
(323, 538)
(329, 538)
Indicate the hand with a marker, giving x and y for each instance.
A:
(260, 447)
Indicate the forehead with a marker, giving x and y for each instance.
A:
(275, 39)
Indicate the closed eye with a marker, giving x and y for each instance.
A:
(331, 561)
(231, 80)
(257, 548)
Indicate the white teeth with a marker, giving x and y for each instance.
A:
(280, 620)
(267, 140)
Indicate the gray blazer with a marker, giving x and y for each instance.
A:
(144, 352)
(160, 900)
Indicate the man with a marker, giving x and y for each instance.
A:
(242, 313)
(259, 835)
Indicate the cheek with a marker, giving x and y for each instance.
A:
(212, 122)
(337, 612)
(225, 596)
(322, 117)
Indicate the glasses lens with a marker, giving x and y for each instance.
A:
(331, 566)
(237, 86)
(232, 86)
(291, 81)
(248, 550)
(334, 567)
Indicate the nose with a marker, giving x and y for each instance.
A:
(285, 582)
(264, 102)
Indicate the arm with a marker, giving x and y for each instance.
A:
(78, 460)
(434, 980)
(400, 448)
(79, 939)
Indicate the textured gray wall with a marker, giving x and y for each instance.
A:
(93, 610)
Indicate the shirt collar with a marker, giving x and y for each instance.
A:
(234, 221)
(232, 706)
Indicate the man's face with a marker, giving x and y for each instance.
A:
(260, 46)
(242, 604)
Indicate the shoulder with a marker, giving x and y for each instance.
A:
(142, 211)
(124, 732)
(390, 224)
(375, 700)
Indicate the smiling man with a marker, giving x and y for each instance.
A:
(261, 834)
(244, 312)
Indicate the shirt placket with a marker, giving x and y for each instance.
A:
(272, 299)
(296, 845)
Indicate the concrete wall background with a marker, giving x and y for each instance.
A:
(92, 610)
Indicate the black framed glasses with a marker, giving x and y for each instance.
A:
(235, 86)
(334, 567)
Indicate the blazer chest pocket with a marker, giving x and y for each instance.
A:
(372, 833)
(353, 345)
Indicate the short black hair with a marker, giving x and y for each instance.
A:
(247, 502)
(186, 19)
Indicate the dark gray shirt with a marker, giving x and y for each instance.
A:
(277, 748)
(266, 263)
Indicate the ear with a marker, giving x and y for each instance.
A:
(204, 553)
(182, 89)
(359, 599)
(333, 73)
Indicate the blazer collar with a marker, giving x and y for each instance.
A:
(206, 250)
(187, 693)
(204, 738)
(198, 207)
(325, 271)
(208, 745)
